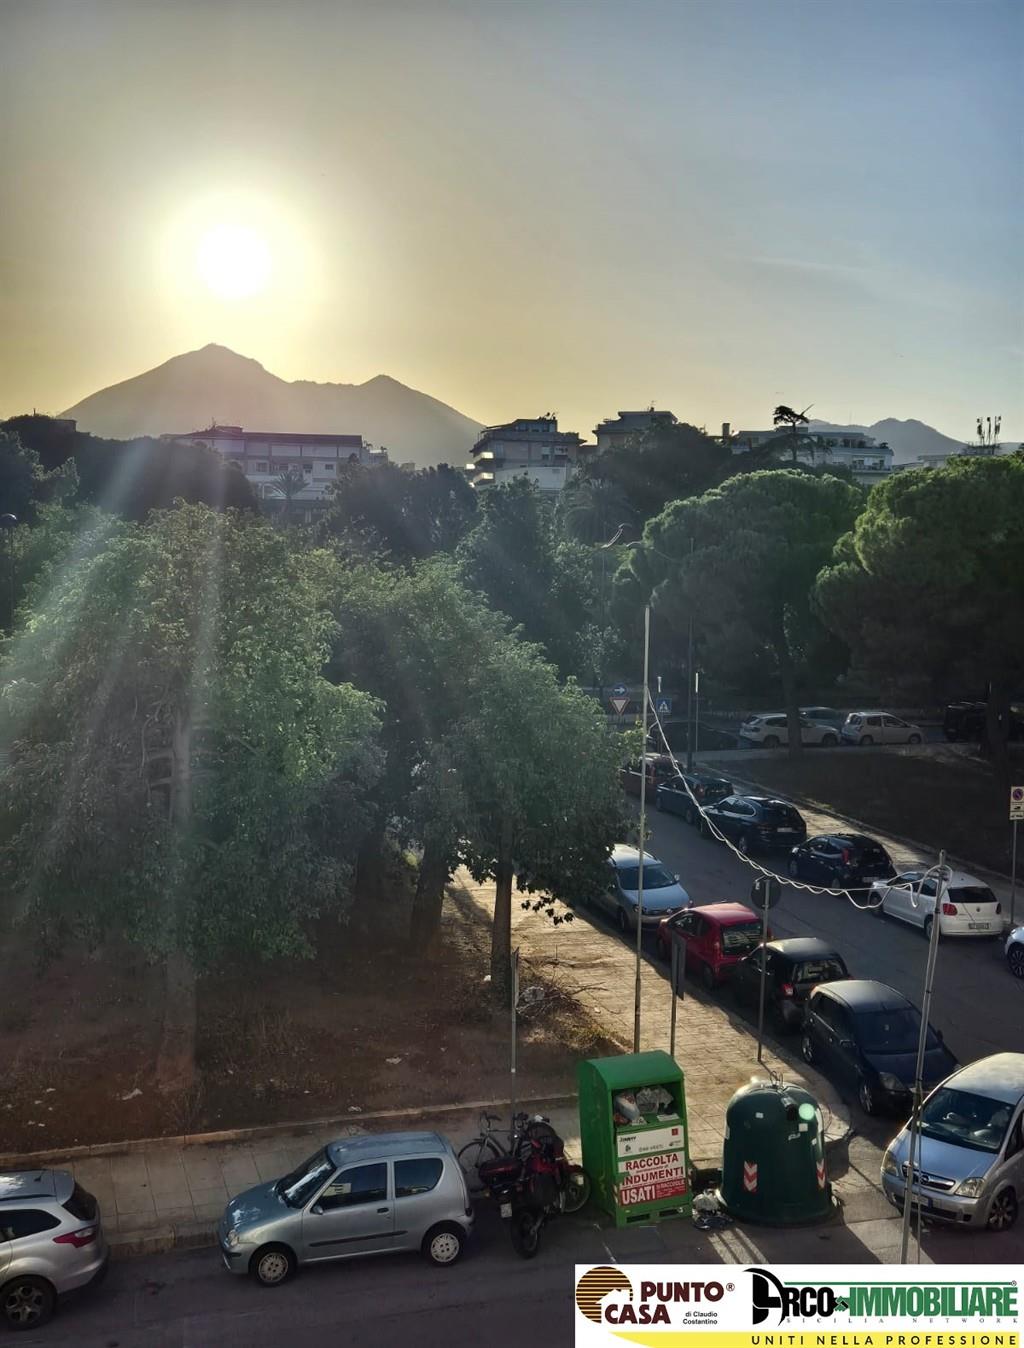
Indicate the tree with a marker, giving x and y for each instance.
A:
(663, 464)
(786, 416)
(544, 583)
(402, 516)
(592, 508)
(181, 773)
(290, 484)
(758, 543)
(927, 587)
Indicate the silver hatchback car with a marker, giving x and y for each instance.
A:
(51, 1243)
(360, 1195)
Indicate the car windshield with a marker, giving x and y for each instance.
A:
(971, 894)
(820, 970)
(296, 1187)
(968, 1120)
(870, 851)
(741, 937)
(892, 1031)
(655, 877)
(783, 815)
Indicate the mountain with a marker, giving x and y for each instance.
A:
(193, 390)
(907, 439)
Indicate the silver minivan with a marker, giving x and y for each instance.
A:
(970, 1166)
(51, 1243)
(361, 1195)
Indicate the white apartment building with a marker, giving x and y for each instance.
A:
(866, 459)
(530, 447)
(615, 431)
(264, 456)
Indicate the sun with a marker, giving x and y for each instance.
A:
(234, 261)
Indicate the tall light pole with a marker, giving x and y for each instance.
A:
(9, 523)
(643, 835)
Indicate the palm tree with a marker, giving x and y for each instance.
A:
(289, 484)
(592, 509)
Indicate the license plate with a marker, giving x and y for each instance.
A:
(978, 926)
(786, 830)
(506, 1209)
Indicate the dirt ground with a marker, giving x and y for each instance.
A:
(369, 1024)
(944, 798)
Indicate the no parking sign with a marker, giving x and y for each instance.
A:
(1016, 802)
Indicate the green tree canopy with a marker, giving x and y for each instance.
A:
(399, 515)
(927, 587)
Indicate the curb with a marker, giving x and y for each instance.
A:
(228, 1135)
(161, 1239)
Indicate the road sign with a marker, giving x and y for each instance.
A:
(1017, 802)
(663, 706)
(758, 895)
(620, 704)
(619, 690)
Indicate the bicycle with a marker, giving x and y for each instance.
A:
(489, 1144)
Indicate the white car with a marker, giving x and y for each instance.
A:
(879, 727)
(771, 730)
(969, 908)
(1014, 951)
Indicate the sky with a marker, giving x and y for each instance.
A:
(523, 207)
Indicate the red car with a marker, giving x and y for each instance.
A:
(715, 938)
(660, 768)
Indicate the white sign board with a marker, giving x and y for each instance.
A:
(1017, 802)
(669, 1138)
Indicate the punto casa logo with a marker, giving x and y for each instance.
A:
(652, 1305)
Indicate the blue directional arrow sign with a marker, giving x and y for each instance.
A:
(619, 690)
(663, 706)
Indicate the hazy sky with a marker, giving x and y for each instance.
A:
(521, 207)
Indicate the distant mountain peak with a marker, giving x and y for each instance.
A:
(908, 439)
(216, 384)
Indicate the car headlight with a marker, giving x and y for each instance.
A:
(890, 1165)
(232, 1239)
(890, 1083)
(971, 1188)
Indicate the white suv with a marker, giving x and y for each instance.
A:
(51, 1242)
(879, 727)
(772, 729)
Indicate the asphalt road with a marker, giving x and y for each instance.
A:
(976, 1003)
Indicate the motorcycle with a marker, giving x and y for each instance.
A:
(534, 1182)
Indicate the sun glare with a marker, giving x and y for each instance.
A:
(233, 261)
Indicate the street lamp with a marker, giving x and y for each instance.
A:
(9, 523)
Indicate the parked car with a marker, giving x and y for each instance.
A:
(663, 894)
(793, 967)
(1015, 952)
(772, 729)
(969, 908)
(674, 798)
(966, 721)
(755, 823)
(970, 1165)
(840, 861)
(660, 768)
(360, 1195)
(51, 1243)
(864, 1035)
(879, 727)
(824, 715)
(712, 939)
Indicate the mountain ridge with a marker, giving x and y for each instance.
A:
(907, 439)
(195, 389)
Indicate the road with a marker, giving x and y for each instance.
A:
(976, 1003)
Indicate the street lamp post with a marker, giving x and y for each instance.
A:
(643, 834)
(9, 523)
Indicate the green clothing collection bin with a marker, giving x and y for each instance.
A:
(639, 1167)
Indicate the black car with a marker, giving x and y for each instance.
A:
(864, 1036)
(794, 966)
(756, 823)
(966, 721)
(673, 797)
(841, 861)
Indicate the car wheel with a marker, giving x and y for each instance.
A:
(913, 739)
(926, 930)
(443, 1244)
(771, 741)
(866, 1096)
(794, 868)
(1003, 1212)
(829, 741)
(272, 1265)
(878, 909)
(1015, 959)
(707, 977)
(27, 1303)
(807, 1048)
(867, 739)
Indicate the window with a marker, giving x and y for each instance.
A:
(826, 1011)
(417, 1177)
(968, 1120)
(262, 467)
(822, 970)
(874, 720)
(328, 467)
(25, 1222)
(81, 1204)
(305, 1179)
(306, 467)
(358, 1184)
(741, 936)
